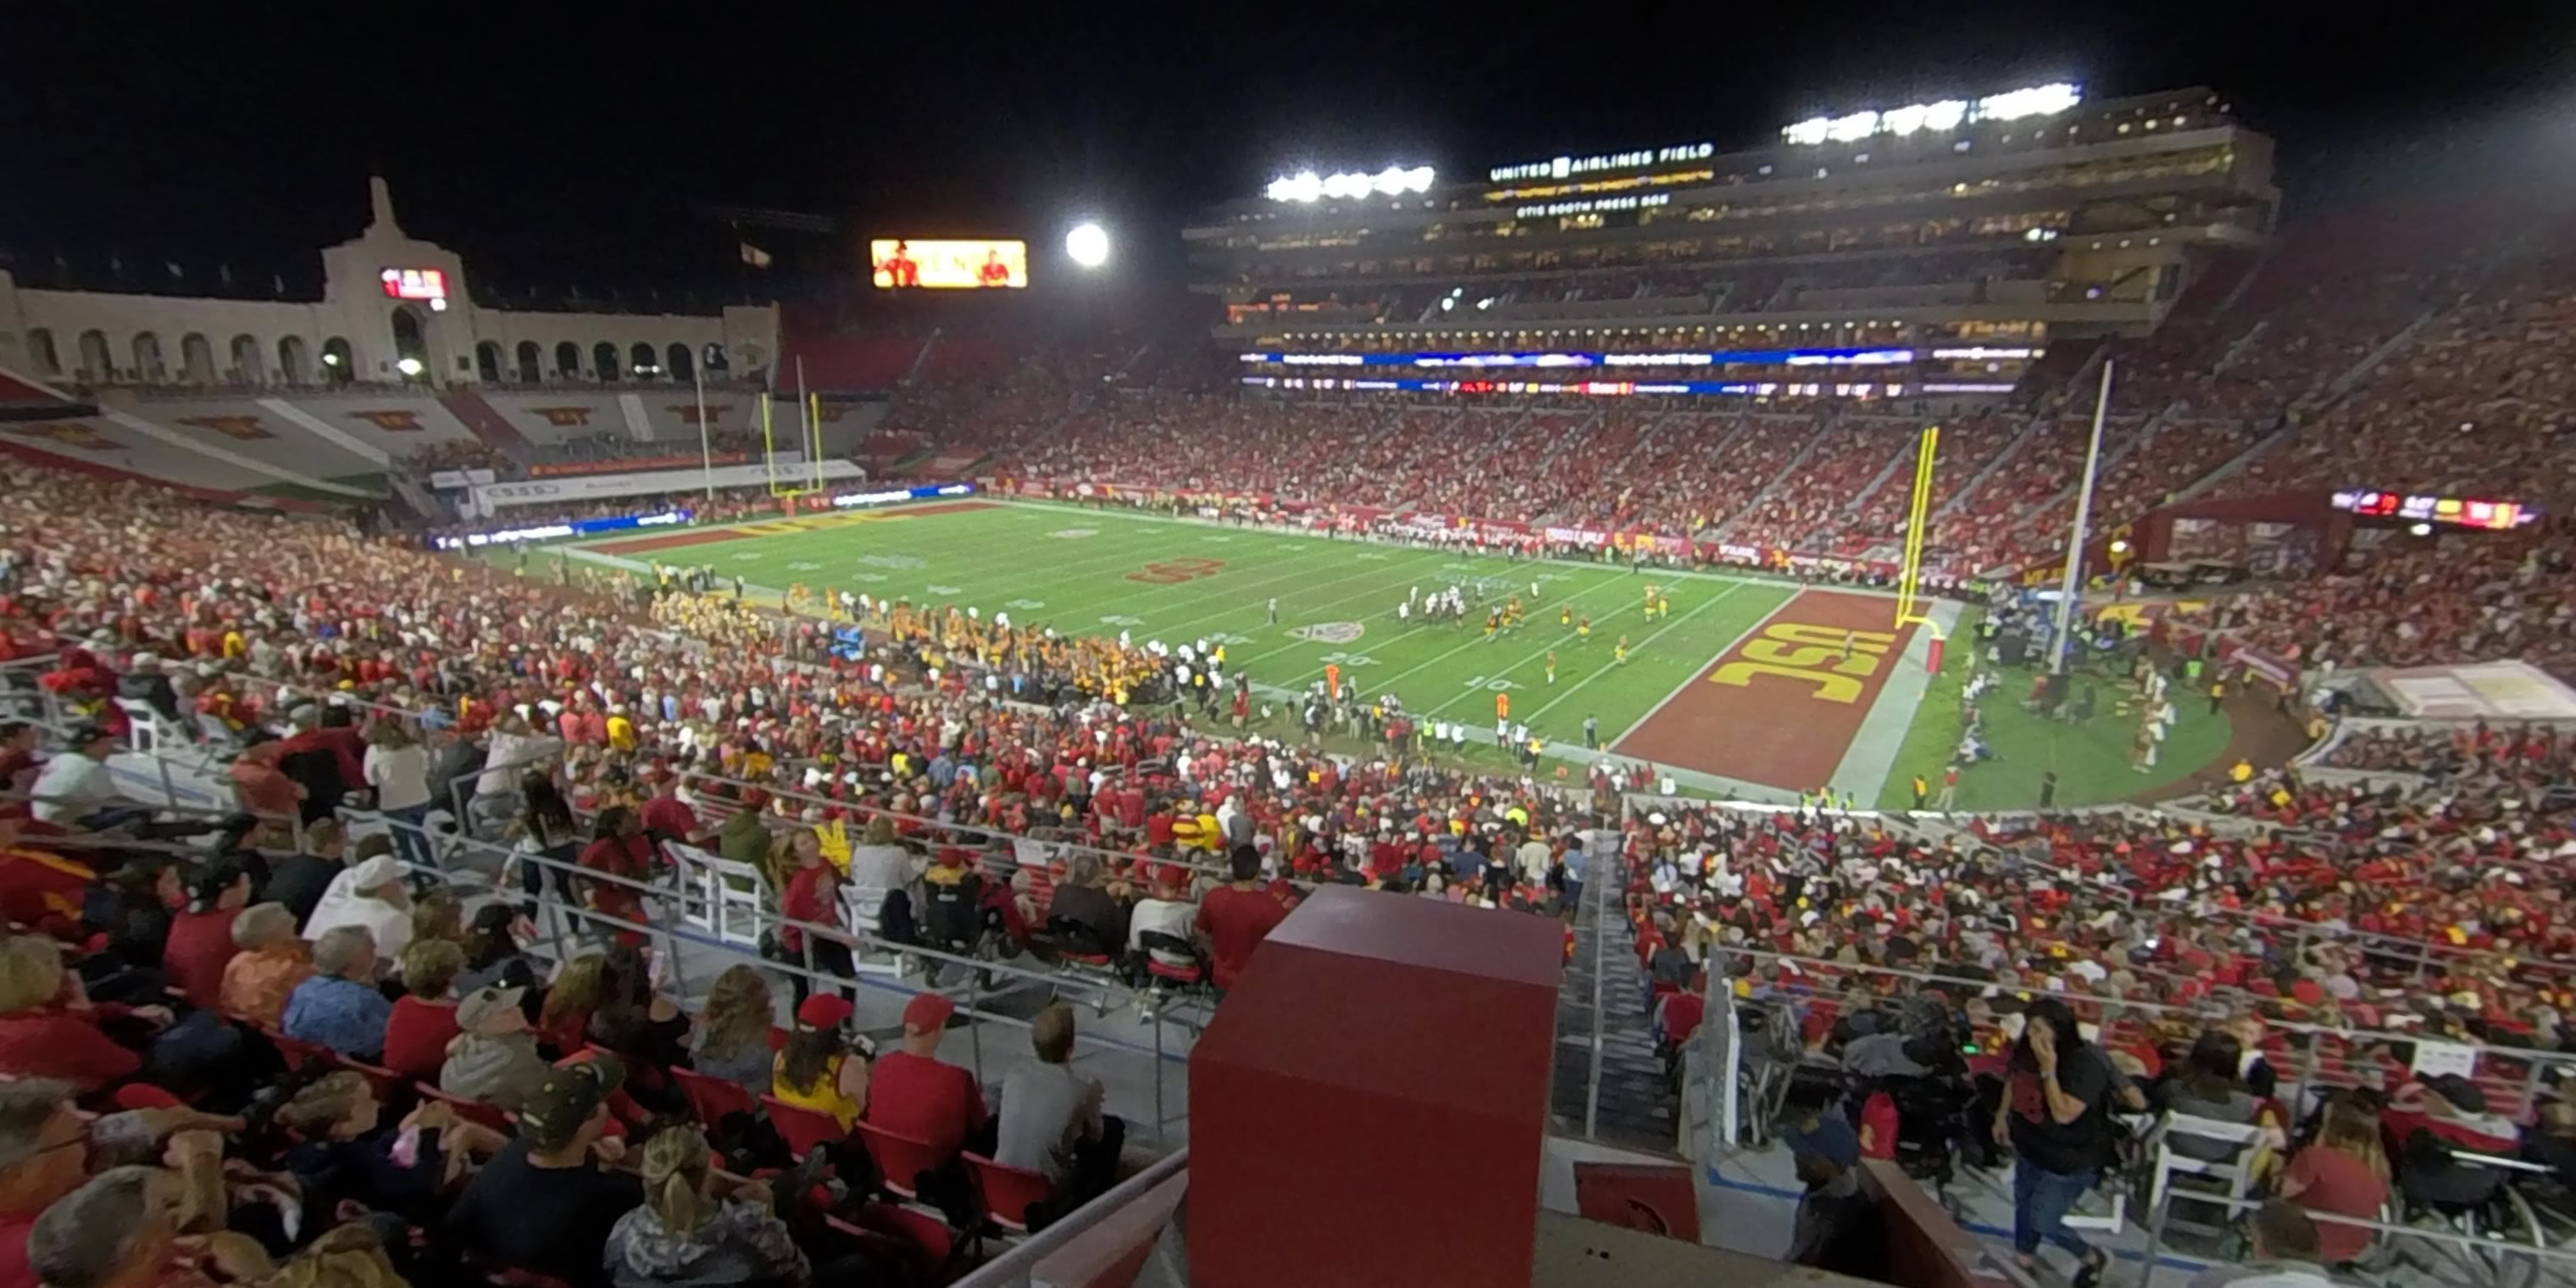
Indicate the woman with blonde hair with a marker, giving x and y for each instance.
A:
(580, 988)
(437, 915)
(733, 1030)
(686, 1233)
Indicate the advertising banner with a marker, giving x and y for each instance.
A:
(491, 497)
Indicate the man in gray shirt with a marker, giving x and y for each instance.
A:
(1051, 1120)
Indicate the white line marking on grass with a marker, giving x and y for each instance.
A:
(1577, 686)
(1688, 680)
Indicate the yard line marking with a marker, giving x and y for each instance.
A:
(1383, 684)
(1577, 686)
(1698, 671)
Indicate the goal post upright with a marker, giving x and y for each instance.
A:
(1918, 515)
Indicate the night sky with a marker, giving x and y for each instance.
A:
(553, 148)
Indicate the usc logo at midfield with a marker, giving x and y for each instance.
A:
(1812, 655)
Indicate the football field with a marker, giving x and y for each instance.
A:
(1741, 681)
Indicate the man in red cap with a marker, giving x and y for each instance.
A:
(911, 1092)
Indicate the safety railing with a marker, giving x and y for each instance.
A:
(568, 929)
(2503, 1072)
(1018, 1265)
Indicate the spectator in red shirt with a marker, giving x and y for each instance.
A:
(424, 1018)
(620, 849)
(912, 1093)
(668, 818)
(46, 1030)
(813, 894)
(1237, 917)
(200, 944)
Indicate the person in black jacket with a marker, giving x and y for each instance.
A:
(299, 880)
(145, 683)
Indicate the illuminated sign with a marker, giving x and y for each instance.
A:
(414, 283)
(1568, 167)
(1306, 185)
(1433, 361)
(1983, 353)
(854, 500)
(1593, 206)
(1948, 114)
(2455, 511)
(1540, 191)
(1590, 388)
(551, 531)
(948, 265)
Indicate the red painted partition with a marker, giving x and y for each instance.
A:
(1379, 1073)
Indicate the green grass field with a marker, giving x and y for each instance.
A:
(1086, 571)
(2091, 759)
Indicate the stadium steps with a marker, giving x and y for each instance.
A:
(486, 422)
(1637, 1107)
(1897, 457)
(2113, 452)
(2244, 345)
(2039, 423)
(921, 359)
(1787, 471)
(2237, 292)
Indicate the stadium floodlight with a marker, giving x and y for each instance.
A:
(1306, 185)
(408, 366)
(1852, 128)
(1087, 245)
(2038, 100)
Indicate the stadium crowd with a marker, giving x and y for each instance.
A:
(363, 1069)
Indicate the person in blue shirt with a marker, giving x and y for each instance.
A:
(340, 1007)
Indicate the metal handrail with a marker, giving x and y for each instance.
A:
(1017, 1266)
(1105, 994)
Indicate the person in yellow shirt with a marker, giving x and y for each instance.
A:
(1619, 654)
(621, 731)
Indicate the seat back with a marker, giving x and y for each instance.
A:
(1007, 1192)
(482, 1113)
(803, 1129)
(383, 1081)
(900, 1159)
(711, 1098)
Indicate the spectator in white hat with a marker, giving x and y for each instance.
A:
(369, 894)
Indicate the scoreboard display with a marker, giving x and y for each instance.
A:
(2455, 511)
(903, 264)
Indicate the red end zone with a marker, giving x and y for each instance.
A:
(1781, 707)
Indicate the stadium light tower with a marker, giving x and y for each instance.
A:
(1087, 245)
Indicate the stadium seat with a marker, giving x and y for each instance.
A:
(386, 1083)
(1007, 1193)
(711, 1098)
(482, 1113)
(901, 1159)
(917, 1237)
(803, 1129)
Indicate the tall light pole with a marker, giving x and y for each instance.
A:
(2066, 590)
(706, 449)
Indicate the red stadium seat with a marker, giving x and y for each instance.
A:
(711, 1098)
(482, 1113)
(900, 1159)
(803, 1129)
(1007, 1192)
